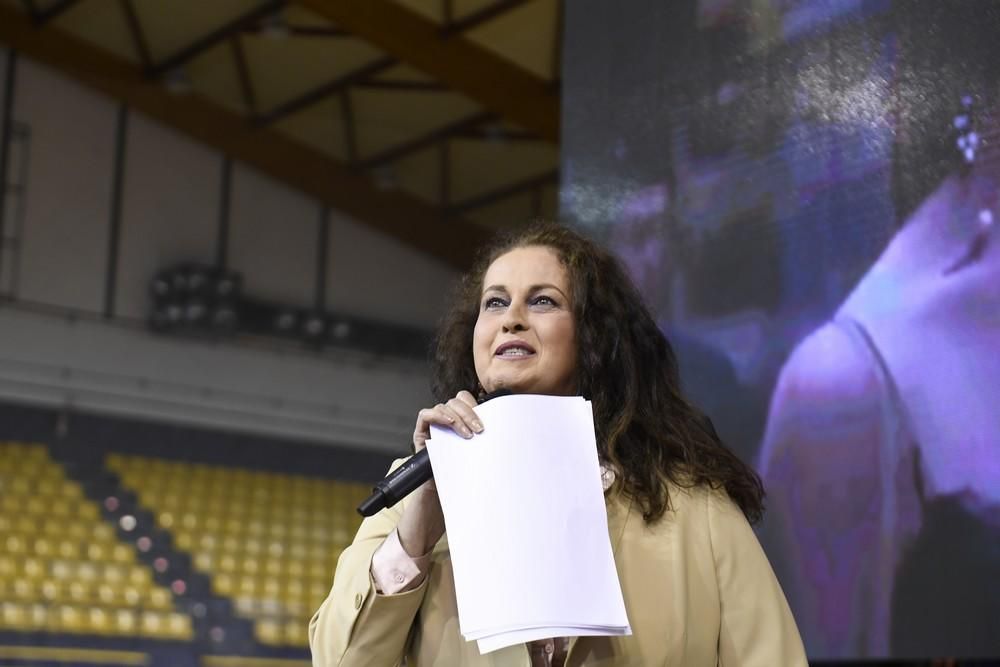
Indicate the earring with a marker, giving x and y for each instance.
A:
(967, 142)
(966, 137)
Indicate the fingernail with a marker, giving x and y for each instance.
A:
(477, 426)
(466, 432)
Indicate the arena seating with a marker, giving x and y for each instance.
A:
(62, 567)
(268, 541)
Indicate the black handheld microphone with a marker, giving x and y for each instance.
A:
(407, 477)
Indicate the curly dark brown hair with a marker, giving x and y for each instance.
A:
(645, 427)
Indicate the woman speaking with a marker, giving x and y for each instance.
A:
(546, 311)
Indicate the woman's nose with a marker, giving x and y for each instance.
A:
(514, 320)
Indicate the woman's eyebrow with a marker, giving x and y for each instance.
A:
(535, 288)
(532, 289)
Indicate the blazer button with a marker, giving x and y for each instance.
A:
(358, 599)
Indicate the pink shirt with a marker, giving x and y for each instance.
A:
(396, 571)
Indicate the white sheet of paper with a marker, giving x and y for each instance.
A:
(526, 521)
(500, 640)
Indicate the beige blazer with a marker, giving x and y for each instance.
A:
(698, 590)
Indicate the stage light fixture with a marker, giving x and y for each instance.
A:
(340, 331)
(285, 321)
(195, 311)
(160, 286)
(314, 326)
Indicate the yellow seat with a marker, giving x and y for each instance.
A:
(268, 632)
(107, 594)
(274, 567)
(122, 553)
(160, 598)
(153, 624)
(295, 568)
(102, 532)
(21, 485)
(8, 567)
(97, 552)
(68, 618)
(15, 616)
(296, 634)
(132, 594)
(34, 568)
(16, 544)
(140, 576)
(228, 563)
(51, 590)
(25, 524)
(249, 586)
(78, 592)
(204, 562)
(68, 549)
(86, 509)
(271, 588)
(25, 590)
(245, 606)
(115, 574)
(42, 547)
(250, 565)
(224, 584)
(71, 490)
(61, 507)
(99, 621)
(86, 572)
(295, 589)
(179, 626)
(76, 530)
(125, 622)
(184, 539)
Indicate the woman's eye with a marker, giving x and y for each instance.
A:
(543, 301)
(493, 302)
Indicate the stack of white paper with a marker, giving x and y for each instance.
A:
(527, 525)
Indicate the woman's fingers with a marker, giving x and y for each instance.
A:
(457, 413)
(459, 407)
(467, 398)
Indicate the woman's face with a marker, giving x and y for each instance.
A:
(525, 340)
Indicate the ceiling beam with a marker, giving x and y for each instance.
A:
(339, 83)
(496, 134)
(505, 192)
(465, 67)
(243, 74)
(478, 18)
(136, 32)
(216, 37)
(426, 140)
(402, 85)
(295, 30)
(54, 11)
(395, 213)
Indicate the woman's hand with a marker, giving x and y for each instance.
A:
(422, 523)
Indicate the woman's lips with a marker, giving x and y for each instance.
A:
(514, 350)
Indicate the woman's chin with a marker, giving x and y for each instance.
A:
(513, 385)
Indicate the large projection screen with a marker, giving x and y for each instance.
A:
(806, 193)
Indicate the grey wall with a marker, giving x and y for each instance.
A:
(170, 211)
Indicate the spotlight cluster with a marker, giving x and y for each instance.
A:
(195, 298)
(199, 300)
